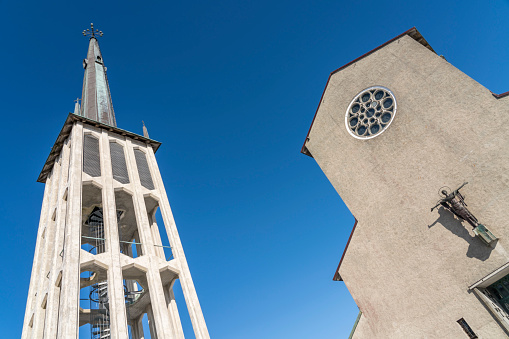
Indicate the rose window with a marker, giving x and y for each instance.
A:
(370, 112)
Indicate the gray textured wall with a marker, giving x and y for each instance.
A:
(409, 269)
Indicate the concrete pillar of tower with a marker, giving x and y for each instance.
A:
(137, 328)
(35, 266)
(173, 310)
(50, 329)
(37, 275)
(118, 319)
(156, 236)
(193, 305)
(161, 318)
(45, 253)
(69, 306)
(151, 323)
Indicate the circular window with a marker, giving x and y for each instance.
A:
(370, 112)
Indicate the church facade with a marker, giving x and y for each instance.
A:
(393, 129)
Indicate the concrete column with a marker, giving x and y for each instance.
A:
(118, 319)
(193, 305)
(50, 329)
(151, 323)
(137, 328)
(32, 289)
(45, 254)
(156, 236)
(173, 310)
(161, 318)
(69, 305)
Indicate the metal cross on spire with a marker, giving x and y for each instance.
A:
(91, 32)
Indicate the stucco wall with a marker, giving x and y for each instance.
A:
(409, 269)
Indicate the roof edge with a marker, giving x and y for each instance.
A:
(498, 96)
(66, 131)
(412, 32)
(338, 277)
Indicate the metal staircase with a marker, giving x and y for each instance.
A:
(100, 315)
(98, 296)
(100, 320)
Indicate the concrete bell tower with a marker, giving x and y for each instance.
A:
(100, 263)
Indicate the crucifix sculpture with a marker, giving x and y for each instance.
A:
(455, 203)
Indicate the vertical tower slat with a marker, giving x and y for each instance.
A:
(68, 313)
(118, 318)
(32, 290)
(50, 330)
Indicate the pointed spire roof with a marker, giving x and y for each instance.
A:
(145, 130)
(96, 97)
(77, 107)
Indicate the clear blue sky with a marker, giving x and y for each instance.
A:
(230, 89)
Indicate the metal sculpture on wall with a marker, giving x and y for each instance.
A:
(455, 203)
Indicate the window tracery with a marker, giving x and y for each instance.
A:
(370, 112)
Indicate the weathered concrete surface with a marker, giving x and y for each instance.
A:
(70, 198)
(362, 330)
(409, 269)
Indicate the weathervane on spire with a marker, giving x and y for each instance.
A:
(91, 32)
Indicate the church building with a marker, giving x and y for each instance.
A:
(419, 153)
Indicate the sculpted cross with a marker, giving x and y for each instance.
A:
(91, 32)
(455, 203)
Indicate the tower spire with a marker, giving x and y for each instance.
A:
(96, 97)
(77, 107)
(145, 131)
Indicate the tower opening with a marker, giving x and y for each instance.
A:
(138, 303)
(118, 163)
(94, 315)
(91, 157)
(143, 169)
(128, 234)
(92, 229)
(159, 235)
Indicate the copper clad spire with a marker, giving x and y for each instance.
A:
(96, 103)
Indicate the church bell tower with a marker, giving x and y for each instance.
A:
(102, 267)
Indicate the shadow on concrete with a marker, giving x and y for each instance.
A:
(477, 248)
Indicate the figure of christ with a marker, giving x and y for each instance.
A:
(455, 202)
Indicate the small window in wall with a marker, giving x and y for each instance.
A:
(118, 163)
(91, 159)
(467, 329)
(143, 170)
